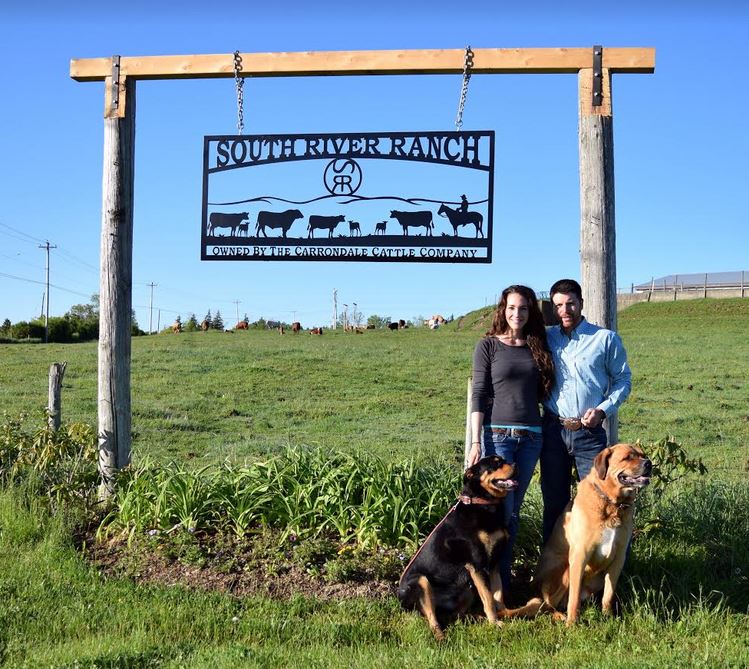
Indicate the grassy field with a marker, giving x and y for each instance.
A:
(201, 398)
(205, 397)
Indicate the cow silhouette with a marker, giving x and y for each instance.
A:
(414, 219)
(328, 223)
(282, 220)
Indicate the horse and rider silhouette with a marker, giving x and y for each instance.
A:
(462, 216)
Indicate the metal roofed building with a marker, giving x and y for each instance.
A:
(707, 281)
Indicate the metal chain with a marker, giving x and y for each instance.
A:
(239, 81)
(467, 67)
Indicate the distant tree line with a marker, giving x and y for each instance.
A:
(216, 322)
(80, 323)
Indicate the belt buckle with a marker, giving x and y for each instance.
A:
(572, 424)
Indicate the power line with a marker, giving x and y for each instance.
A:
(20, 262)
(77, 260)
(28, 238)
(22, 236)
(42, 283)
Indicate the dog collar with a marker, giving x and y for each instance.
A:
(478, 500)
(604, 496)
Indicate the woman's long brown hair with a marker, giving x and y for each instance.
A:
(534, 332)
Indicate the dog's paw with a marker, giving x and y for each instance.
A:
(439, 635)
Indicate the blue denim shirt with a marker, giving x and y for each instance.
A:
(590, 368)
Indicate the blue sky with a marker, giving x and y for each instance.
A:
(680, 147)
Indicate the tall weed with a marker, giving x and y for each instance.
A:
(303, 491)
(59, 464)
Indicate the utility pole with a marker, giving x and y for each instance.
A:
(345, 317)
(335, 309)
(150, 308)
(236, 304)
(47, 247)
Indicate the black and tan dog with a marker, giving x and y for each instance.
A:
(457, 565)
(586, 551)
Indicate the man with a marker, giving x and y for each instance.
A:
(592, 379)
(463, 208)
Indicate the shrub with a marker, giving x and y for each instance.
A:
(671, 463)
(59, 330)
(61, 465)
(28, 330)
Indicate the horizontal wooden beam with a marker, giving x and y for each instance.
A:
(324, 63)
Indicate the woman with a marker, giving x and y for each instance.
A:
(512, 372)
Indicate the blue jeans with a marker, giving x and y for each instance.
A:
(523, 452)
(562, 448)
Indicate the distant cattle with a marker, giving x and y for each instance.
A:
(402, 324)
(276, 220)
(204, 326)
(328, 223)
(414, 219)
(177, 327)
(435, 321)
(353, 227)
(392, 326)
(296, 326)
(281, 330)
(381, 228)
(219, 220)
(317, 331)
(242, 325)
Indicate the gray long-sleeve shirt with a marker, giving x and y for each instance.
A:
(509, 375)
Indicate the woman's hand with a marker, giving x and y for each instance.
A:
(474, 455)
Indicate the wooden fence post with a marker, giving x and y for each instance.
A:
(597, 228)
(54, 402)
(469, 436)
(115, 286)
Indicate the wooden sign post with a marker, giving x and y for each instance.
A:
(597, 238)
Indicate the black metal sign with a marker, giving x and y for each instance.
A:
(333, 197)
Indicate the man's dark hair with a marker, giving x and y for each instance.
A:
(567, 286)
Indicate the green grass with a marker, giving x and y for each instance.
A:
(200, 398)
(205, 397)
(215, 395)
(57, 612)
(690, 365)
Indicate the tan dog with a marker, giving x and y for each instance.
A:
(588, 546)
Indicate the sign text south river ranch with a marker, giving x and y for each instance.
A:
(406, 196)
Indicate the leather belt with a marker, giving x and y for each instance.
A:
(571, 424)
(512, 431)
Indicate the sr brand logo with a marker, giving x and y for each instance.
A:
(342, 177)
